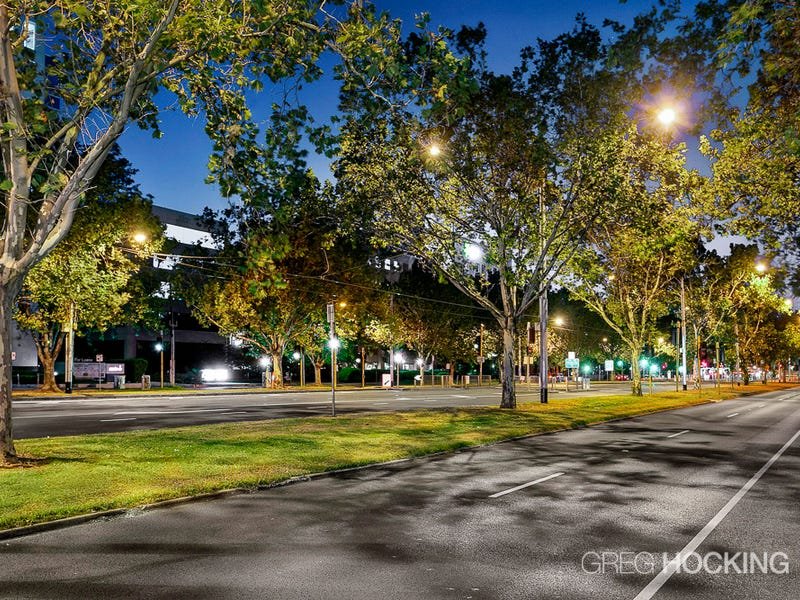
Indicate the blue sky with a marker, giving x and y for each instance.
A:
(172, 169)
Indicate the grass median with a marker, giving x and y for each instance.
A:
(87, 473)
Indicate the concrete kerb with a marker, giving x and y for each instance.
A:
(35, 528)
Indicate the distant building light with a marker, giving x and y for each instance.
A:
(215, 374)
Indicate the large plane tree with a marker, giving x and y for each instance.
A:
(74, 75)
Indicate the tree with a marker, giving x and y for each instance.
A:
(513, 185)
(89, 277)
(63, 109)
(626, 270)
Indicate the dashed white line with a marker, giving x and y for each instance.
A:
(525, 485)
(732, 415)
(672, 566)
(111, 420)
(679, 433)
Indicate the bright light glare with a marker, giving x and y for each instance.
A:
(473, 252)
(296, 356)
(264, 361)
(214, 374)
(334, 343)
(761, 267)
(667, 116)
(559, 321)
(159, 347)
(420, 362)
(434, 150)
(140, 238)
(399, 358)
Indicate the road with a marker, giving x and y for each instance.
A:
(514, 520)
(70, 416)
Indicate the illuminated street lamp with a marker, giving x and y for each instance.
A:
(434, 150)
(667, 116)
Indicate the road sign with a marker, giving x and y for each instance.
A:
(572, 363)
(571, 355)
(609, 365)
(13, 356)
(98, 358)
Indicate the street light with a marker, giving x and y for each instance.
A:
(473, 252)
(160, 349)
(667, 116)
(434, 150)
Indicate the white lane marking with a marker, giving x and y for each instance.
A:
(732, 415)
(525, 485)
(110, 420)
(170, 412)
(58, 416)
(457, 396)
(679, 433)
(669, 569)
(381, 403)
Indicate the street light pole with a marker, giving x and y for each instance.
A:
(333, 345)
(480, 357)
(172, 326)
(683, 332)
(69, 350)
(543, 366)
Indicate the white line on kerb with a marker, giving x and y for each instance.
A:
(669, 569)
(110, 420)
(731, 415)
(679, 433)
(524, 485)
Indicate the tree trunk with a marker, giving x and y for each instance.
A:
(277, 369)
(8, 293)
(49, 380)
(47, 356)
(636, 373)
(509, 398)
(318, 372)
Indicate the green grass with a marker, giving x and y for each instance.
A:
(82, 474)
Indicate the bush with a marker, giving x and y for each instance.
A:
(135, 368)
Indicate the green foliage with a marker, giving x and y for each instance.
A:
(626, 270)
(135, 368)
(96, 268)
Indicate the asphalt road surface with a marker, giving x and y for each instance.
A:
(70, 416)
(514, 520)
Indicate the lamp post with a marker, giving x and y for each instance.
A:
(160, 349)
(480, 357)
(543, 366)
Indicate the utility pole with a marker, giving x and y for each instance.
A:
(333, 344)
(172, 326)
(480, 357)
(543, 366)
(69, 350)
(683, 332)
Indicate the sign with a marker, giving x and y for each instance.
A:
(13, 356)
(571, 355)
(572, 363)
(96, 370)
(98, 358)
(609, 365)
(386, 380)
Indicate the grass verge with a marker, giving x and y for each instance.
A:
(83, 474)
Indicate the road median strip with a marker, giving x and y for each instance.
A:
(90, 474)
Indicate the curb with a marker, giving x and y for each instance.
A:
(56, 524)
